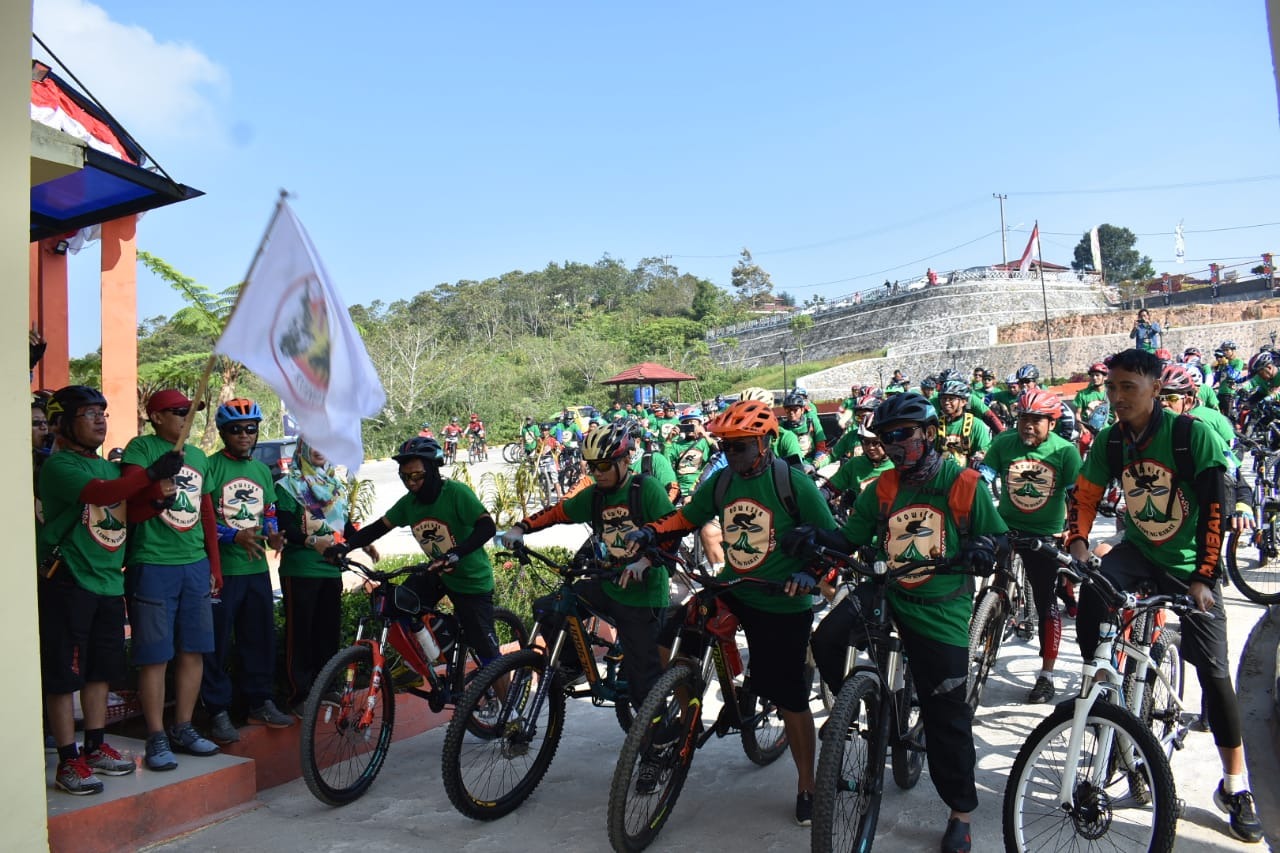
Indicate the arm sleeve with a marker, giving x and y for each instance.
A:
(105, 492)
(290, 526)
(1211, 494)
(370, 533)
(545, 517)
(1082, 509)
(480, 534)
(210, 528)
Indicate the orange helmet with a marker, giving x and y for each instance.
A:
(1040, 402)
(744, 418)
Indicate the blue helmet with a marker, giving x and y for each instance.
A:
(691, 415)
(239, 409)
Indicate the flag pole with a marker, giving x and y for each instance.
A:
(203, 384)
(1044, 300)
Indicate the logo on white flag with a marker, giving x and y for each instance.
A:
(300, 338)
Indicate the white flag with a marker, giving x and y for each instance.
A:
(1032, 245)
(1096, 249)
(1179, 247)
(292, 328)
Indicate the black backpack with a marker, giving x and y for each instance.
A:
(1183, 461)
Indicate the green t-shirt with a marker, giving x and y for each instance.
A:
(1085, 397)
(617, 523)
(842, 450)
(93, 550)
(856, 473)
(529, 435)
(242, 490)
(1005, 396)
(300, 561)
(174, 537)
(1035, 481)
(964, 436)
(441, 525)
(1221, 426)
(754, 523)
(1160, 512)
(920, 524)
(786, 445)
(1208, 397)
(1257, 383)
(803, 433)
(662, 470)
(687, 458)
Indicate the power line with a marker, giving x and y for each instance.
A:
(1171, 233)
(878, 273)
(1254, 179)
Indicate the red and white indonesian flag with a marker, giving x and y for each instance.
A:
(1032, 246)
(292, 328)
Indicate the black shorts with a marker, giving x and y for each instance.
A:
(81, 636)
(777, 645)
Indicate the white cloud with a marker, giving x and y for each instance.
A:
(161, 91)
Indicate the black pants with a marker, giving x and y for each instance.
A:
(1042, 577)
(473, 609)
(245, 612)
(940, 673)
(637, 628)
(312, 629)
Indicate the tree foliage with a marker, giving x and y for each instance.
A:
(1120, 260)
(752, 283)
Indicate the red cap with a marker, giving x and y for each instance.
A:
(170, 398)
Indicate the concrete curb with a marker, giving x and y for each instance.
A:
(1258, 688)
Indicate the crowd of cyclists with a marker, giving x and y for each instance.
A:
(954, 467)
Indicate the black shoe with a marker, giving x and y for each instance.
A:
(956, 838)
(1244, 818)
(804, 808)
(647, 778)
(1042, 691)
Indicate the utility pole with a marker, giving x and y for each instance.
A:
(1004, 235)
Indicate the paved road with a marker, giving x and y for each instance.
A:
(728, 803)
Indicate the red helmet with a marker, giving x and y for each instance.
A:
(474, 416)
(1176, 379)
(1099, 367)
(1164, 355)
(1040, 402)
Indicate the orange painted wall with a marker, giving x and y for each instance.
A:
(120, 329)
(48, 313)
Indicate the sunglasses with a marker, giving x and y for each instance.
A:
(1171, 398)
(741, 445)
(180, 412)
(245, 429)
(894, 436)
(871, 442)
(601, 465)
(413, 476)
(39, 423)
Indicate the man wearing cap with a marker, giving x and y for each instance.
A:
(173, 567)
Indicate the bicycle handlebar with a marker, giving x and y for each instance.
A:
(1090, 571)
(879, 569)
(370, 573)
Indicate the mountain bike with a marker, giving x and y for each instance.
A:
(489, 771)
(514, 453)
(547, 478)
(1093, 774)
(451, 449)
(476, 449)
(348, 716)
(1253, 556)
(570, 467)
(669, 728)
(875, 714)
(1003, 608)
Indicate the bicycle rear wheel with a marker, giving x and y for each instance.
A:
(512, 453)
(655, 759)
(509, 630)
(846, 798)
(1160, 702)
(1253, 560)
(488, 776)
(346, 732)
(1112, 807)
(985, 634)
(764, 737)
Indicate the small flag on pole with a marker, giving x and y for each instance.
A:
(292, 328)
(1032, 246)
(1179, 247)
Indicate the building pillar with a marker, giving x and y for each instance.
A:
(48, 313)
(120, 329)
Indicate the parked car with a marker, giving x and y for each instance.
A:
(276, 454)
(581, 414)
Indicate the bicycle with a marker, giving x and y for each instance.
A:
(476, 449)
(570, 467)
(513, 453)
(349, 714)
(548, 478)
(490, 771)
(1003, 608)
(450, 449)
(1094, 769)
(1253, 556)
(669, 729)
(876, 712)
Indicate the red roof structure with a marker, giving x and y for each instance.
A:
(649, 373)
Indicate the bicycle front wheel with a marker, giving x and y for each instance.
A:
(1122, 791)
(985, 635)
(655, 759)
(849, 784)
(346, 732)
(1253, 560)
(907, 749)
(512, 453)
(487, 776)
(764, 737)
(509, 630)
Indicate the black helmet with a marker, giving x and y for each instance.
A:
(928, 382)
(1256, 363)
(793, 400)
(947, 375)
(426, 449)
(955, 388)
(911, 407)
(69, 400)
(1028, 371)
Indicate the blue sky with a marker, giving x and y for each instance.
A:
(843, 144)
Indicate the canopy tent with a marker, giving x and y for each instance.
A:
(649, 373)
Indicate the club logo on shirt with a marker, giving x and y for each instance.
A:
(185, 512)
(1030, 484)
(433, 537)
(806, 443)
(106, 524)
(616, 525)
(242, 503)
(1148, 489)
(916, 532)
(691, 460)
(748, 534)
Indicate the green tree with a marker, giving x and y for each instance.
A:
(751, 282)
(1120, 260)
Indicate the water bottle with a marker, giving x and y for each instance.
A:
(270, 525)
(430, 648)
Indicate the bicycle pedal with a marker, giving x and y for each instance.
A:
(912, 744)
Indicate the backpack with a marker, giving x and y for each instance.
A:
(781, 486)
(646, 464)
(959, 499)
(1184, 463)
